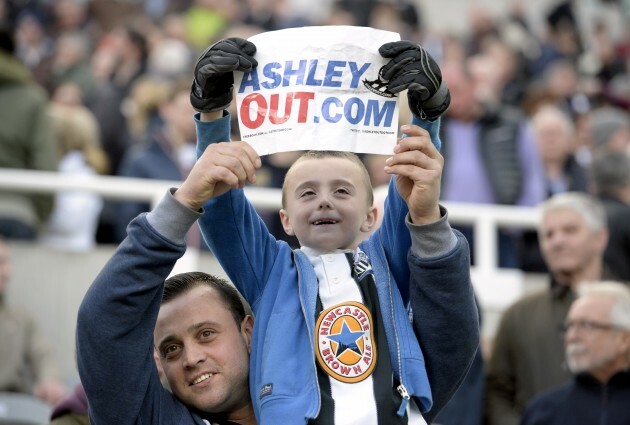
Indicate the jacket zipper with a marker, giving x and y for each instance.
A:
(311, 334)
(402, 390)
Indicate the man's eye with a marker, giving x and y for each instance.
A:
(170, 350)
(207, 334)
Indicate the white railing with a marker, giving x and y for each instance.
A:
(496, 287)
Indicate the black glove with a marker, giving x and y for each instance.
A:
(412, 68)
(212, 87)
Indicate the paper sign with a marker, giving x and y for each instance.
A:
(318, 88)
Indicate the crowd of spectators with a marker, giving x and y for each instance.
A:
(531, 107)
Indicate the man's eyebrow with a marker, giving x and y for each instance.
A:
(195, 327)
(192, 328)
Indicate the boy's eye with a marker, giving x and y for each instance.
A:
(307, 193)
(343, 191)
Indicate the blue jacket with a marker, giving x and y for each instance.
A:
(281, 286)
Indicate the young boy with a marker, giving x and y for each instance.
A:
(332, 343)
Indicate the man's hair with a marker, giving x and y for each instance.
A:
(182, 283)
(619, 292)
(586, 205)
(332, 154)
(610, 172)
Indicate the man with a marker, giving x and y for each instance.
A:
(597, 350)
(527, 356)
(26, 142)
(27, 364)
(611, 175)
(489, 152)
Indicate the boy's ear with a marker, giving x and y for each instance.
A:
(370, 220)
(286, 223)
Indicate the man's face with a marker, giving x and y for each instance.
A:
(567, 242)
(327, 204)
(592, 344)
(203, 352)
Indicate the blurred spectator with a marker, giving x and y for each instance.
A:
(527, 355)
(597, 351)
(490, 155)
(127, 63)
(74, 220)
(168, 153)
(70, 63)
(72, 410)
(27, 364)
(34, 47)
(562, 39)
(481, 28)
(26, 142)
(610, 130)
(555, 137)
(611, 178)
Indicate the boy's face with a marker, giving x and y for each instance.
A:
(327, 204)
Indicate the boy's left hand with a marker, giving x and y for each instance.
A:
(418, 168)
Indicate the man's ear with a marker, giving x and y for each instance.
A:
(246, 329)
(286, 223)
(370, 220)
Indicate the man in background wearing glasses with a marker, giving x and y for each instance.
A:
(597, 350)
(528, 353)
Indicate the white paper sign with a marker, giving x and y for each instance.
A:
(318, 88)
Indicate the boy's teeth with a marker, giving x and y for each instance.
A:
(202, 378)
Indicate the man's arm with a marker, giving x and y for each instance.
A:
(117, 317)
(445, 316)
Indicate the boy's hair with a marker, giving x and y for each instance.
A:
(333, 154)
(182, 283)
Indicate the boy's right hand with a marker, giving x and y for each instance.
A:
(411, 68)
(223, 166)
(212, 87)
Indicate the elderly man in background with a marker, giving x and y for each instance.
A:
(597, 350)
(528, 353)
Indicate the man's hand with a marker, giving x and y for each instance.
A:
(412, 68)
(418, 168)
(212, 87)
(221, 167)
